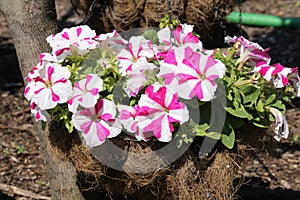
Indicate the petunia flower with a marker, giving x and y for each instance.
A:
(127, 118)
(138, 77)
(181, 36)
(158, 109)
(281, 75)
(249, 51)
(139, 49)
(97, 123)
(294, 80)
(50, 87)
(45, 58)
(38, 113)
(111, 40)
(195, 72)
(86, 92)
(281, 130)
(72, 41)
(276, 72)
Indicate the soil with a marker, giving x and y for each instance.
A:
(272, 173)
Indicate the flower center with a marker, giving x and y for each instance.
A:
(166, 109)
(202, 76)
(48, 84)
(95, 118)
(134, 59)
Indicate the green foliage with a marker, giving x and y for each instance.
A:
(151, 35)
(63, 115)
(167, 22)
(186, 133)
(21, 148)
(249, 97)
(228, 136)
(103, 63)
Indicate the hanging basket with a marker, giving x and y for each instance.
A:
(125, 15)
(164, 89)
(189, 177)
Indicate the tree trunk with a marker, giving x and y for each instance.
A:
(30, 22)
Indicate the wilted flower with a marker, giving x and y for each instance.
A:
(294, 80)
(249, 51)
(281, 129)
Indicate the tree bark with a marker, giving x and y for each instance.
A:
(30, 22)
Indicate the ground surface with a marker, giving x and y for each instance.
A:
(270, 175)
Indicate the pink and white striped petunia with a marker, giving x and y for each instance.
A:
(112, 40)
(97, 123)
(127, 118)
(276, 72)
(139, 49)
(294, 80)
(50, 87)
(281, 129)
(45, 58)
(249, 51)
(138, 77)
(72, 41)
(195, 72)
(182, 35)
(158, 109)
(85, 92)
(38, 113)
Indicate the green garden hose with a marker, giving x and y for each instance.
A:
(263, 20)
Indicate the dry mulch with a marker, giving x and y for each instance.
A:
(272, 174)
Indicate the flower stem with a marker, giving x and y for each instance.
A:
(240, 66)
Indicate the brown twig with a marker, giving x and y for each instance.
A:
(24, 127)
(19, 191)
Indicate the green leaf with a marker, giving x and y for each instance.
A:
(260, 107)
(238, 111)
(214, 135)
(237, 95)
(69, 125)
(229, 95)
(179, 143)
(250, 93)
(271, 117)
(201, 129)
(270, 99)
(287, 100)
(279, 105)
(228, 137)
(151, 35)
(260, 122)
(204, 126)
